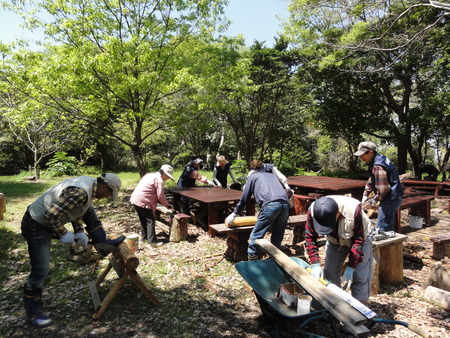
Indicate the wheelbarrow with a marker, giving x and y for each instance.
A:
(265, 278)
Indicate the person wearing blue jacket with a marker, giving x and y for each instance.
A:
(274, 207)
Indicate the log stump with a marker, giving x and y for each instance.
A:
(439, 275)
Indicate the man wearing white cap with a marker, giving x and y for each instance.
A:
(349, 235)
(384, 183)
(68, 201)
(145, 198)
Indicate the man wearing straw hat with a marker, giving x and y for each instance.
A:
(145, 198)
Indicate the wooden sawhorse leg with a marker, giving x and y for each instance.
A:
(124, 263)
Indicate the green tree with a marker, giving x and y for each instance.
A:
(120, 65)
(366, 62)
(261, 111)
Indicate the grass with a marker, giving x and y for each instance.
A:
(177, 275)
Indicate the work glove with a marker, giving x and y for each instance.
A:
(82, 239)
(316, 270)
(230, 219)
(347, 278)
(289, 193)
(68, 238)
(364, 198)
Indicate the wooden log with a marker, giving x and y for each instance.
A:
(439, 276)
(127, 256)
(243, 221)
(391, 271)
(344, 312)
(412, 258)
(2, 205)
(437, 296)
(178, 229)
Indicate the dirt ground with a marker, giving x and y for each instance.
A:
(201, 293)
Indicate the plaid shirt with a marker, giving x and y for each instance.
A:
(381, 187)
(356, 254)
(71, 197)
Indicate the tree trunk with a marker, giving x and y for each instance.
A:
(139, 160)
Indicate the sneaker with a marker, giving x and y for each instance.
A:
(156, 245)
(389, 234)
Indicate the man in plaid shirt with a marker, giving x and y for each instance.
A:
(68, 201)
(384, 183)
(349, 234)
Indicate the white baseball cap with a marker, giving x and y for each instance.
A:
(168, 170)
(113, 181)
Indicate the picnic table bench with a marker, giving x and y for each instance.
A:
(418, 205)
(237, 237)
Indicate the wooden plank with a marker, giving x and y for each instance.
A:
(332, 302)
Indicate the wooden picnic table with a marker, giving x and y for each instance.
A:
(431, 187)
(212, 200)
(323, 185)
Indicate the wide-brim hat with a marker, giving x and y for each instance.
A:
(324, 212)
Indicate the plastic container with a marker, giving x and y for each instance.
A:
(415, 222)
(133, 242)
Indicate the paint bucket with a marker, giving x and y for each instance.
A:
(415, 222)
(133, 242)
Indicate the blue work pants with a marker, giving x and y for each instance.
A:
(273, 214)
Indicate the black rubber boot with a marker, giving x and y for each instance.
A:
(32, 300)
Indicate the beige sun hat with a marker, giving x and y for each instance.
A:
(168, 170)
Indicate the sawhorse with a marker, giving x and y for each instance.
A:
(124, 263)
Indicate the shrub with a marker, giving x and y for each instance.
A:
(62, 165)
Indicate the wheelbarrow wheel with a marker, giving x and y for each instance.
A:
(268, 312)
